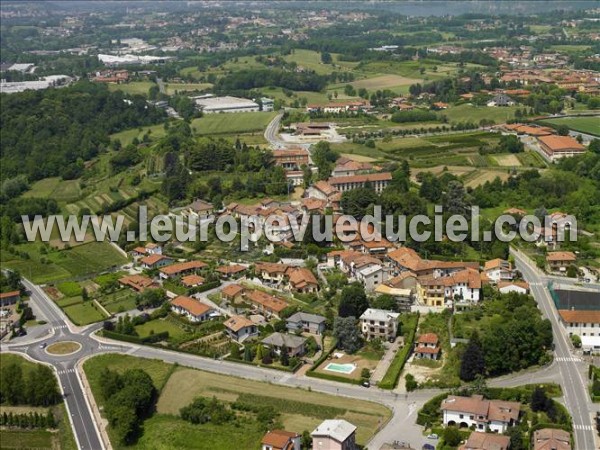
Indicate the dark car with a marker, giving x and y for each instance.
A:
(366, 384)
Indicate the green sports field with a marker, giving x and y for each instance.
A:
(232, 123)
(589, 125)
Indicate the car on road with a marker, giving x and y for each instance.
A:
(366, 384)
(43, 345)
(432, 436)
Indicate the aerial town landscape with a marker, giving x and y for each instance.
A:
(295, 225)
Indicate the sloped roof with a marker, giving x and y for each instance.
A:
(337, 429)
(194, 307)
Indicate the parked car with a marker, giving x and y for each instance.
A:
(433, 436)
(366, 384)
(43, 345)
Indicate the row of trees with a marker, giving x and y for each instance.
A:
(34, 387)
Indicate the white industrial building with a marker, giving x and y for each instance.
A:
(227, 104)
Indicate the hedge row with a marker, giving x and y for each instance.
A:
(205, 287)
(390, 379)
(267, 366)
(153, 338)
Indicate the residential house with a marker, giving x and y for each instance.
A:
(428, 347)
(407, 259)
(501, 100)
(378, 181)
(306, 322)
(291, 159)
(231, 271)
(403, 297)
(155, 261)
(486, 441)
(281, 440)
(179, 269)
(193, 310)
(379, 324)
(292, 344)
(266, 303)
(149, 249)
(554, 147)
(560, 261)
(200, 209)
(9, 298)
(321, 190)
(370, 276)
(232, 292)
(240, 328)
(520, 287)
(480, 413)
(138, 283)
(302, 280)
(345, 167)
(551, 439)
(192, 280)
(334, 434)
(498, 270)
(273, 273)
(463, 286)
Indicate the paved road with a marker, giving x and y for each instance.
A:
(272, 132)
(570, 368)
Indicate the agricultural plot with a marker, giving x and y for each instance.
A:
(127, 136)
(509, 160)
(311, 60)
(60, 190)
(230, 123)
(117, 302)
(392, 82)
(84, 313)
(479, 177)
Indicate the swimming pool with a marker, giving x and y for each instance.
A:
(340, 368)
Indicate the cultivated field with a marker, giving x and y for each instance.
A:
(59, 190)
(385, 82)
(174, 88)
(470, 113)
(507, 160)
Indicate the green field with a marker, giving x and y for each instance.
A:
(58, 265)
(59, 190)
(120, 301)
(174, 88)
(158, 326)
(134, 87)
(589, 125)
(180, 386)
(84, 313)
(232, 123)
(127, 136)
(469, 113)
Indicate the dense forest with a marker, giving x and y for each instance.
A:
(52, 132)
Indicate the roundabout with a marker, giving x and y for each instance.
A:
(63, 348)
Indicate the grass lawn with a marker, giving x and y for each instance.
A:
(10, 358)
(388, 81)
(589, 125)
(134, 87)
(169, 432)
(34, 439)
(120, 301)
(159, 326)
(84, 313)
(63, 348)
(232, 123)
(470, 113)
(310, 59)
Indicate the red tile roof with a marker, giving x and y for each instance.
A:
(174, 269)
(194, 307)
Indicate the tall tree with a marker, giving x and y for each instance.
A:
(347, 333)
(473, 361)
(353, 301)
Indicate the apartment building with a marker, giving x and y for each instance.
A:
(379, 324)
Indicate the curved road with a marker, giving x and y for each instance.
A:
(570, 368)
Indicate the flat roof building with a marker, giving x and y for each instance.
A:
(227, 104)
